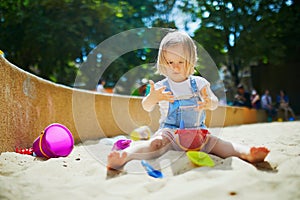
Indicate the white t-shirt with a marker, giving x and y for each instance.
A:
(183, 88)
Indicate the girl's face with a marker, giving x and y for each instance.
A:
(175, 63)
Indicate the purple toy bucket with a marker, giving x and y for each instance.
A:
(55, 141)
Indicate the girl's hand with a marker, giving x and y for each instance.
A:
(155, 96)
(159, 94)
(210, 101)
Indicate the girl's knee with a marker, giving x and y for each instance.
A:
(159, 143)
(156, 144)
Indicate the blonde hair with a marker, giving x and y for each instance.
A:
(189, 48)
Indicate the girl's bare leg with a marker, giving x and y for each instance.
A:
(150, 149)
(226, 149)
(257, 154)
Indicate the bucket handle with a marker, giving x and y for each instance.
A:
(40, 145)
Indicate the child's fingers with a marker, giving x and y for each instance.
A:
(162, 89)
(168, 97)
(151, 85)
(204, 92)
(201, 105)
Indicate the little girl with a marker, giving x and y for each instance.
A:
(183, 99)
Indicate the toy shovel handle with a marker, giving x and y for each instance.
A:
(151, 171)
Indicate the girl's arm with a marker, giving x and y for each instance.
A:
(155, 96)
(210, 101)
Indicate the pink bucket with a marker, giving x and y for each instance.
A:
(55, 141)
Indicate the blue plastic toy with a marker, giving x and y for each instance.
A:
(151, 171)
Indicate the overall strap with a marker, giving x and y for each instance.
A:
(166, 83)
(193, 85)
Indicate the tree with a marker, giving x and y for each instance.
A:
(45, 37)
(51, 37)
(240, 33)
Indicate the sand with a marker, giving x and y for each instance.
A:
(83, 175)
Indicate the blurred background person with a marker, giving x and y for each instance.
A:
(255, 99)
(282, 101)
(242, 98)
(100, 86)
(267, 104)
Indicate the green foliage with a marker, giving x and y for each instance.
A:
(52, 37)
(47, 36)
(241, 33)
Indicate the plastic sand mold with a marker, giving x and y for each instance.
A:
(200, 158)
(121, 144)
(140, 133)
(151, 171)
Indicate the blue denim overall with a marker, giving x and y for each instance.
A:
(185, 109)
